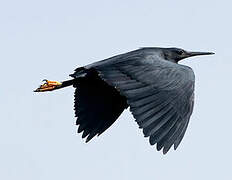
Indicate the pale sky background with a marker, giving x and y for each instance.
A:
(50, 38)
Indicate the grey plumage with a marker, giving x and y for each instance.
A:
(158, 90)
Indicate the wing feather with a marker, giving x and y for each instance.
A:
(159, 95)
(97, 105)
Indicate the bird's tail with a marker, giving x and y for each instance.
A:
(53, 85)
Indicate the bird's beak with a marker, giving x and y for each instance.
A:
(190, 54)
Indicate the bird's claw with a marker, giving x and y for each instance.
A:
(48, 86)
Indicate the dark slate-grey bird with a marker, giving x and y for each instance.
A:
(158, 90)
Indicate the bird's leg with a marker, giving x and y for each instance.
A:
(48, 86)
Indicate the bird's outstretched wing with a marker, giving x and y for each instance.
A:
(97, 105)
(160, 95)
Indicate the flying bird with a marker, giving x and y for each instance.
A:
(158, 91)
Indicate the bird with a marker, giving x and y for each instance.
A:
(150, 81)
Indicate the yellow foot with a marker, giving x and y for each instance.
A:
(48, 86)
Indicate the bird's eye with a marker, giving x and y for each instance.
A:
(180, 52)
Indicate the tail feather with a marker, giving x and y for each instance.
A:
(79, 72)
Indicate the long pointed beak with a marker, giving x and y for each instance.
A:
(190, 54)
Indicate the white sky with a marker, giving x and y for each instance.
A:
(50, 38)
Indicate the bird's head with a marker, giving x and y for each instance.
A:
(177, 54)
